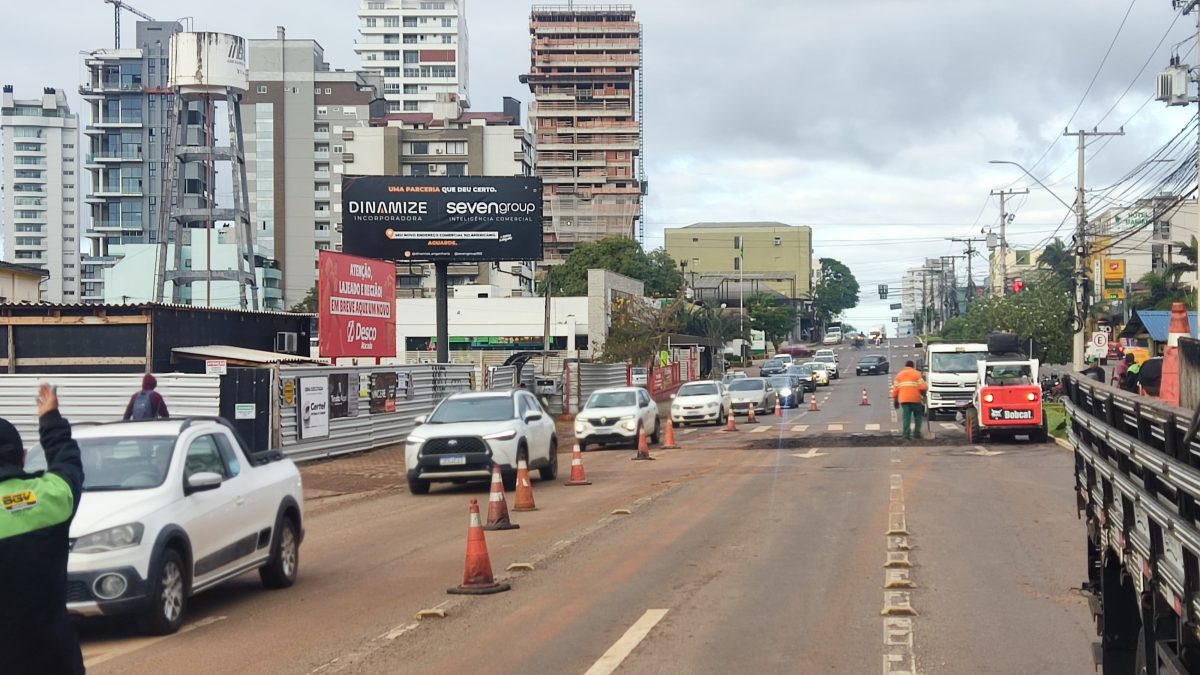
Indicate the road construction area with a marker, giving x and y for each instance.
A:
(811, 542)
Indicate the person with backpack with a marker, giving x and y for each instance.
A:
(147, 404)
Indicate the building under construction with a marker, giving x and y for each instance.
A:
(585, 76)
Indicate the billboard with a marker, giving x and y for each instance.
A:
(208, 62)
(357, 298)
(443, 219)
(314, 407)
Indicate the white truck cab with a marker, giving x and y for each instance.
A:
(951, 375)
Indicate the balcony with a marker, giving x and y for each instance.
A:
(322, 214)
(321, 174)
(94, 89)
(113, 156)
(320, 135)
(321, 155)
(133, 224)
(320, 194)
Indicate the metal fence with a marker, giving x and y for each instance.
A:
(361, 429)
(501, 378)
(102, 398)
(581, 380)
(1189, 373)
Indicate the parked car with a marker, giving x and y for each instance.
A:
(755, 392)
(797, 351)
(617, 415)
(468, 432)
(806, 374)
(772, 367)
(790, 388)
(735, 375)
(785, 358)
(171, 508)
(701, 402)
(821, 369)
(872, 365)
(830, 363)
(638, 377)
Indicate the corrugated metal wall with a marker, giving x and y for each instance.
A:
(431, 383)
(102, 398)
(584, 379)
(501, 378)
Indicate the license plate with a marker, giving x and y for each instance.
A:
(453, 461)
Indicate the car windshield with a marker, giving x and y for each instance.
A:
(118, 463)
(747, 385)
(698, 389)
(827, 358)
(781, 382)
(872, 359)
(819, 365)
(473, 409)
(803, 371)
(612, 399)
(956, 362)
(772, 363)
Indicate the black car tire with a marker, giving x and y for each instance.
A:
(654, 437)
(163, 615)
(582, 446)
(284, 565)
(550, 472)
(418, 487)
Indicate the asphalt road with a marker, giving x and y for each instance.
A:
(756, 551)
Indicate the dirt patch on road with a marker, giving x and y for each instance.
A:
(381, 469)
(862, 440)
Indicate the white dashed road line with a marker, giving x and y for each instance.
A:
(800, 428)
(835, 427)
(899, 656)
(622, 648)
(871, 427)
(760, 430)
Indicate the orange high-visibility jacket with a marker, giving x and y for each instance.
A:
(908, 387)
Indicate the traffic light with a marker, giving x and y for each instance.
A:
(883, 291)
(1018, 285)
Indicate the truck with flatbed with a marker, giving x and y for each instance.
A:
(951, 375)
(1137, 489)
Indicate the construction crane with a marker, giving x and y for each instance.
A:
(119, 5)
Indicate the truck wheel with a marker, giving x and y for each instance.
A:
(972, 425)
(281, 571)
(168, 596)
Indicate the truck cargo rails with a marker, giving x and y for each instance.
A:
(1137, 484)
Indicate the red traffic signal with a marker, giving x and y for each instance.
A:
(1018, 285)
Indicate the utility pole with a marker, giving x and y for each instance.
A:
(970, 256)
(1004, 194)
(1173, 88)
(951, 300)
(1078, 320)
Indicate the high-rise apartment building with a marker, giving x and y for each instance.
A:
(39, 179)
(295, 116)
(447, 142)
(585, 78)
(419, 47)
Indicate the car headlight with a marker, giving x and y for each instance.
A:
(122, 536)
(413, 438)
(507, 435)
(579, 428)
(785, 392)
(711, 405)
(631, 424)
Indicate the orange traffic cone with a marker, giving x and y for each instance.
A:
(812, 403)
(730, 424)
(497, 506)
(778, 408)
(643, 452)
(1169, 392)
(524, 499)
(669, 440)
(751, 417)
(477, 572)
(864, 398)
(578, 477)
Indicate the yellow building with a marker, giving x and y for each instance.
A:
(759, 250)
(21, 283)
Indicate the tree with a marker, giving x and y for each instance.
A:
(662, 277)
(638, 330)
(1057, 263)
(1159, 290)
(1041, 312)
(309, 304)
(713, 323)
(836, 291)
(774, 317)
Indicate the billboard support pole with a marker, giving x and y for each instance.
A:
(442, 272)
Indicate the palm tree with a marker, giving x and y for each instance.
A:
(1187, 252)
(1057, 262)
(1160, 290)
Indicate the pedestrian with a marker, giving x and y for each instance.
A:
(1093, 369)
(907, 393)
(1130, 382)
(36, 635)
(1150, 376)
(147, 404)
(1122, 367)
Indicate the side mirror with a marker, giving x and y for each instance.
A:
(672, 397)
(533, 416)
(421, 419)
(203, 482)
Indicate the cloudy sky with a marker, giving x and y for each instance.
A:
(872, 121)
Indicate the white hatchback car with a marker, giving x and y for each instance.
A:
(469, 432)
(698, 402)
(171, 508)
(617, 415)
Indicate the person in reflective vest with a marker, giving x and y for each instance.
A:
(908, 391)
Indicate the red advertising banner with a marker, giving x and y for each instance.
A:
(357, 299)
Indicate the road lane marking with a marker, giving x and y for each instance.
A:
(871, 427)
(811, 454)
(948, 425)
(835, 427)
(800, 428)
(984, 452)
(760, 430)
(622, 648)
(130, 646)
(899, 656)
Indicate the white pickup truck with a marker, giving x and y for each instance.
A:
(171, 508)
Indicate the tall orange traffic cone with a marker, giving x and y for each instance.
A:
(669, 440)
(730, 424)
(578, 477)
(497, 505)
(812, 403)
(751, 417)
(778, 408)
(864, 398)
(643, 451)
(524, 499)
(477, 572)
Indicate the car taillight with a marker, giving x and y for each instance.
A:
(988, 398)
(1032, 396)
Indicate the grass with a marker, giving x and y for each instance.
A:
(1056, 415)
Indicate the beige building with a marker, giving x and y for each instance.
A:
(776, 255)
(1019, 263)
(19, 283)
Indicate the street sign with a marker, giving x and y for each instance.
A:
(289, 392)
(883, 291)
(1100, 340)
(895, 319)
(215, 366)
(244, 411)
(896, 306)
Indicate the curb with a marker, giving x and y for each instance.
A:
(1063, 444)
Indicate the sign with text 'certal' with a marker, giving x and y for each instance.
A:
(357, 305)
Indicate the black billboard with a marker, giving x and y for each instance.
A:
(442, 219)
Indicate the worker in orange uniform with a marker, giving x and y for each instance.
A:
(908, 390)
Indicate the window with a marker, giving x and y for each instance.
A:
(412, 72)
(456, 169)
(410, 88)
(779, 241)
(391, 72)
(391, 22)
(322, 111)
(421, 148)
(391, 56)
(737, 242)
(412, 57)
(410, 22)
(456, 148)
(410, 106)
(439, 71)
(1022, 257)
(394, 106)
(420, 170)
(447, 39)
(262, 88)
(228, 455)
(375, 4)
(369, 22)
(737, 264)
(447, 23)
(410, 39)
(391, 39)
(328, 91)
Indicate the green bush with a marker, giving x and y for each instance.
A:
(1056, 416)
